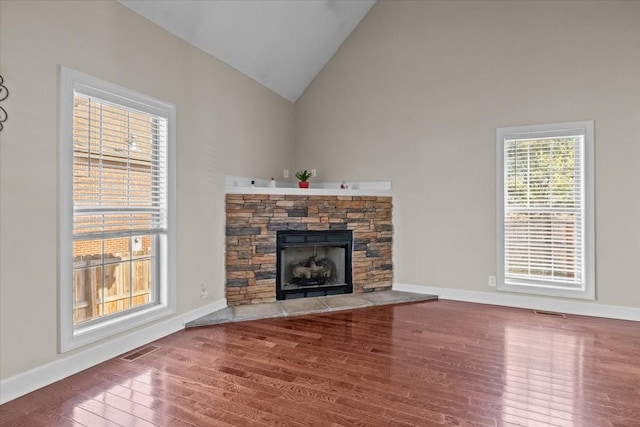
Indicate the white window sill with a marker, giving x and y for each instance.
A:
(82, 336)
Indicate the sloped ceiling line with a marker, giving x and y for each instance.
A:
(281, 44)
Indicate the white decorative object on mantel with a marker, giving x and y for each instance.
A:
(242, 185)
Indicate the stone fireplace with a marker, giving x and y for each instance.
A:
(253, 270)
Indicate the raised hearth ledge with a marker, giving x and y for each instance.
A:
(241, 185)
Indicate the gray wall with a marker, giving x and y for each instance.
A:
(416, 93)
(226, 124)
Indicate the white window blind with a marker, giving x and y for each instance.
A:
(545, 209)
(119, 170)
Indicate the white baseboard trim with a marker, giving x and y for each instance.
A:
(26, 382)
(530, 302)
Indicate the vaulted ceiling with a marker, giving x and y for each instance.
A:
(282, 44)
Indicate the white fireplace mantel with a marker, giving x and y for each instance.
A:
(242, 185)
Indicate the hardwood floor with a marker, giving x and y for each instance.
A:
(431, 363)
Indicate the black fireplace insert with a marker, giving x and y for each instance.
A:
(313, 263)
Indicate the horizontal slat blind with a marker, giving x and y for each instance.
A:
(119, 170)
(544, 209)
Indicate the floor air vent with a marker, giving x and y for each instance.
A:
(550, 313)
(140, 352)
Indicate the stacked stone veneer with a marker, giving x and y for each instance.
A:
(254, 219)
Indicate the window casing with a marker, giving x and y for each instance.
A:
(545, 209)
(116, 209)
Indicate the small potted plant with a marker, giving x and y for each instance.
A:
(303, 177)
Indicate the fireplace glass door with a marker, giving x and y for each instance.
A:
(313, 263)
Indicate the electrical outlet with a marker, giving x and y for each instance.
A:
(203, 291)
(285, 173)
(492, 281)
(313, 172)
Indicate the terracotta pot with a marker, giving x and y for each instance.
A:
(303, 184)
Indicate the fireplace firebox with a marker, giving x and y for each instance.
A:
(313, 263)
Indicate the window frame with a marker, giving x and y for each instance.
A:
(537, 286)
(72, 336)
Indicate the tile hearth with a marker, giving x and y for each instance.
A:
(303, 306)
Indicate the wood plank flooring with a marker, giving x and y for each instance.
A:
(426, 364)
